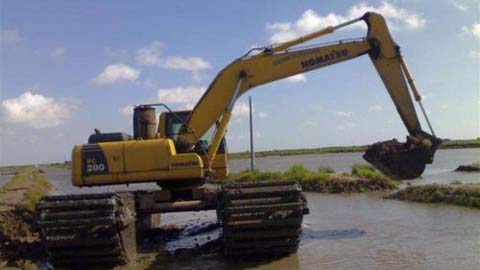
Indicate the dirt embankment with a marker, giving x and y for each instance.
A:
(19, 239)
(458, 194)
(474, 167)
(362, 178)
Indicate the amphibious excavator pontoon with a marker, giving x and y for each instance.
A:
(257, 218)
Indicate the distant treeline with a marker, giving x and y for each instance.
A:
(447, 144)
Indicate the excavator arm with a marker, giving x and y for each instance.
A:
(281, 61)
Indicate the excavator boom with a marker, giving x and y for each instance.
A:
(281, 61)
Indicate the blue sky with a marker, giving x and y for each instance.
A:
(69, 67)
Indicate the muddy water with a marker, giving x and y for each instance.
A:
(361, 231)
(441, 171)
(4, 179)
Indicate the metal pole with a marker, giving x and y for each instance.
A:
(252, 153)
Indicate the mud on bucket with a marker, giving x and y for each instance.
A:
(397, 160)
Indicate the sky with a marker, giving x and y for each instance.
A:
(67, 67)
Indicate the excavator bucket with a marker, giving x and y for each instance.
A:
(398, 160)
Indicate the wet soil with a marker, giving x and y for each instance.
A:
(19, 238)
(458, 194)
(474, 167)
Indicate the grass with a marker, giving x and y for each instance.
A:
(34, 184)
(458, 194)
(19, 238)
(324, 179)
(447, 144)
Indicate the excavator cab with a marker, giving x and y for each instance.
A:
(170, 126)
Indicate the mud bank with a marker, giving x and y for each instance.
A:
(458, 194)
(19, 239)
(324, 180)
(474, 167)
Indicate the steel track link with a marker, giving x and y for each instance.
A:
(85, 231)
(261, 219)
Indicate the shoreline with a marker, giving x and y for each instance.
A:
(448, 144)
(467, 195)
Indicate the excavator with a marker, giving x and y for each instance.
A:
(187, 149)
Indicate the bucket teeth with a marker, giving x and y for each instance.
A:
(84, 231)
(261, 219)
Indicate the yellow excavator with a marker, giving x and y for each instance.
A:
(257, 218)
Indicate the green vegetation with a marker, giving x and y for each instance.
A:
(447, 144)
(459, 194)
(25, 189)
(297, 152)
(10, 170)
(61, 165)
(19, 239)
(322, 180)
(455, 144)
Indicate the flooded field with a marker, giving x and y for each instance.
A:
(358, 231)
(361, 231)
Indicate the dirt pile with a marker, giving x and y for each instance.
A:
(19, 239)
(459, 194)
(474, 167)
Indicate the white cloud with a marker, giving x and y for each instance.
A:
(309, 21)
(346, 126)
(459, 6)
(58, 52)
(189, 106)
(262, 115)
(151, 56)
(180, 94)
(476, 30)
(35, 110)
(427, 95)
(474, 54)
(473, 30)
(344, 113)
(241, 109)
(309, 124)
(126, 110)
(444, 107)
(9, 37)
(296, 78)
(117, 73)
(376, 108)
(193, 64)
(186, 63)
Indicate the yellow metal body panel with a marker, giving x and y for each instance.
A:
(219, 166)
(132, 161)
(144, 155)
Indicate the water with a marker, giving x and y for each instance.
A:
(441, 171)
(356, 231)
(4, 179)
(364, 231)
